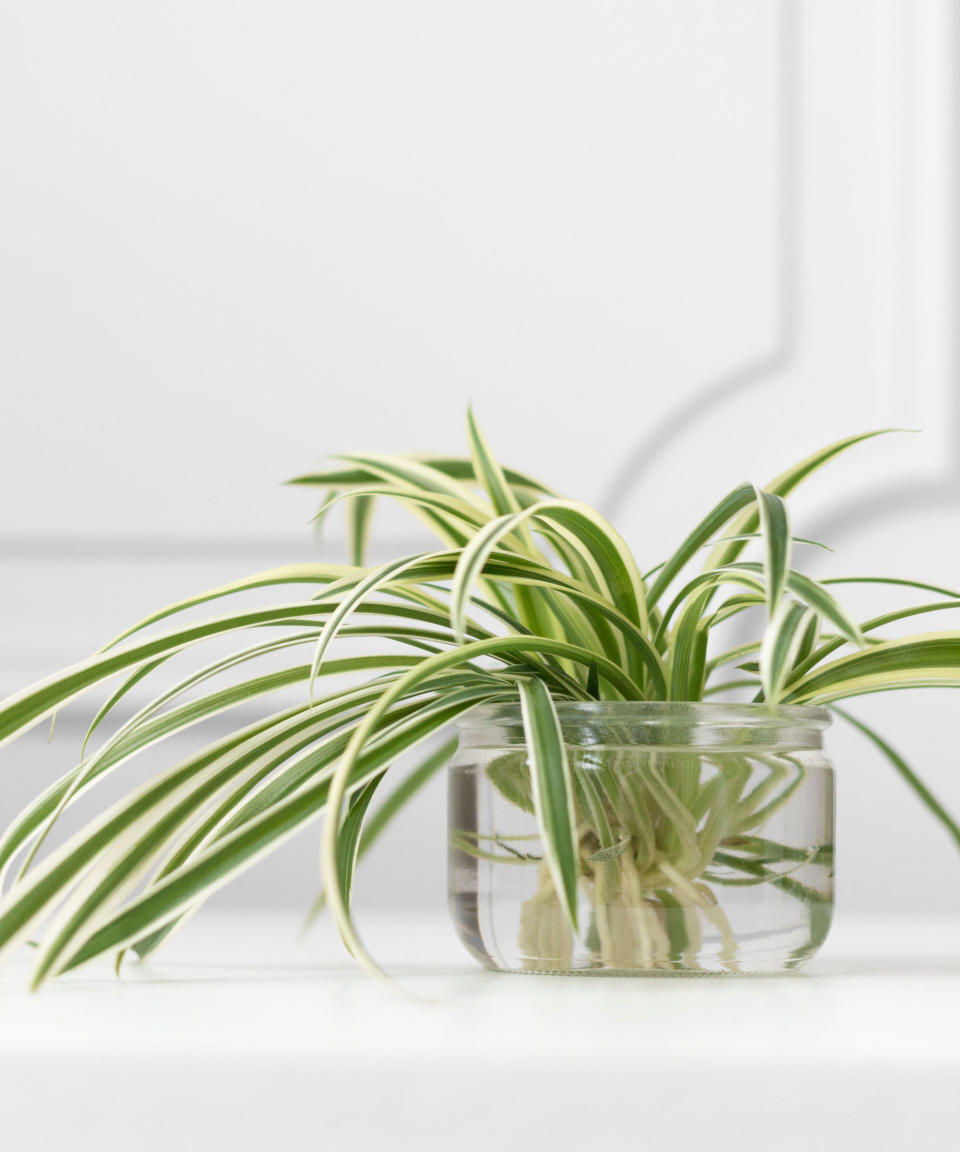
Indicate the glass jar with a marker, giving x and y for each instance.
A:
(705, 840)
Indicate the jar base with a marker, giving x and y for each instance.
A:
(766, 954)
(681, 971)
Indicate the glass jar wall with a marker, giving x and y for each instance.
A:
(705, 840)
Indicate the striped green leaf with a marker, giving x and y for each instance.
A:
(740, 498)
(488, 471)
(453, 467)
(392, 805)
(375, 580)
(234, 853)
(748, 520)
(781, 645)
(553, 794)
(616, 576)
(22, 711)
(348, 842)
(930, 660)
(775, 530)
(818, 655)
(815, 596)
(206, 871)
(359, 523)
(533, 597)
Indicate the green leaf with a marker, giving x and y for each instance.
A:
(201, 875)
(702, 587)
(412, 474)
(817, 597)
(781, 646)
(237, 810)
(829, 646)
(142, 733)
(775, 529)
(24, 903)
(748, 520)
(453, 467)
(27, 708)
(376, 579)
(688, 649)
(709, 526)
(272, 578)
(931, 660)
(404, 791)
(428, 667)
(809, 638)
(440, 510)
(348, 842)
(137, 738)
(131, 682)
(641, 654)
(533, 607)
(553, 797)
(392, 805)
(105, 759)
(893, 582)
(913, 780)
(358, 528)
(264, 746)
(241, 848)
(488, 472)
(748, 536)
(602, 549)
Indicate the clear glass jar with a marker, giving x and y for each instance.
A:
(706, 840)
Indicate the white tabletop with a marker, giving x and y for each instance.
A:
(238, 1037)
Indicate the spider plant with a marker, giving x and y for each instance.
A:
(530, 598)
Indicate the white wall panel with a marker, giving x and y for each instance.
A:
(238, 236)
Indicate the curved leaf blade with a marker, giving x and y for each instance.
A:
(927, 798)
(553, 791)
(775, 530)
(748, 520)
(930, 660)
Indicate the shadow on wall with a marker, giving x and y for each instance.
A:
(714, 395)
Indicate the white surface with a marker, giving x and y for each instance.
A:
(236, 1038)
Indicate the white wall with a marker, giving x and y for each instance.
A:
(663, 246)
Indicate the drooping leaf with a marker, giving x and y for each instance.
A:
(348, 842)
(203, 874)
(927, 798)
(553, 799)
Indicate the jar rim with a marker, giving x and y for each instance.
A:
(655, 713)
